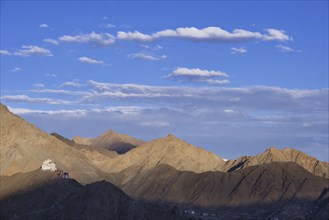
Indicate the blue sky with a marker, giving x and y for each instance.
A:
(232, 77)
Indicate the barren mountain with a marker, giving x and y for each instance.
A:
(257, 185)
(93, 153)
(24, 147)
(163, 170)
(65, 140)
(121, 143)
(42, 195)
(169, 150)
(272, 154)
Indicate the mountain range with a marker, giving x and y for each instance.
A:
(166, 175)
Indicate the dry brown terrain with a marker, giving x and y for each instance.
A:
(272, 154)
(24, 147)
(164, 170)
(121, 143)
(171, 151)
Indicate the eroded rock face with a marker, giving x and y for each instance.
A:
(48, 165)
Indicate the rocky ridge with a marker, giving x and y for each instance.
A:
(272, 154)
(24, 147)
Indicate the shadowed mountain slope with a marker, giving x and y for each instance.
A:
(121, 143)
(48, 197)
(262, 184)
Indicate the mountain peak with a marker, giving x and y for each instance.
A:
(272, 149)
(109, 132)
(273, 154)
(171, 136)
(172, 151)
(111, 140)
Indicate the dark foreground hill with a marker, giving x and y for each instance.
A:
(44, 195)
(262, 184)
(275, 189)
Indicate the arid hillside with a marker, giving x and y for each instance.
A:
(24, 147)
(272, 154)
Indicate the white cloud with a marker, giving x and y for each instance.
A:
(32, 50)
(229, 111)
(213, 81)
(126, 110)
(207, 34)
(16, 69)
(143, 56)
(99, 85)
(183, 71)
(151, 48)
(225, 98)
(274, 34)
(5, 52)
(38, 85)
(27, 99)
(285, 49)
(134, 36)
(158, 47)
(102, 39)
(50, 41)
(24, 111)
(61, 92)
(238, 50)
(90, 61)
(197, 75)
(145, 46)
(50, 75)
(107, 26)
(29, 50)
(155, 124)
(70, 84)
(43, 26)
(242, 97)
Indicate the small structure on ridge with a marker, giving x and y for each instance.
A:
(48, 165)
